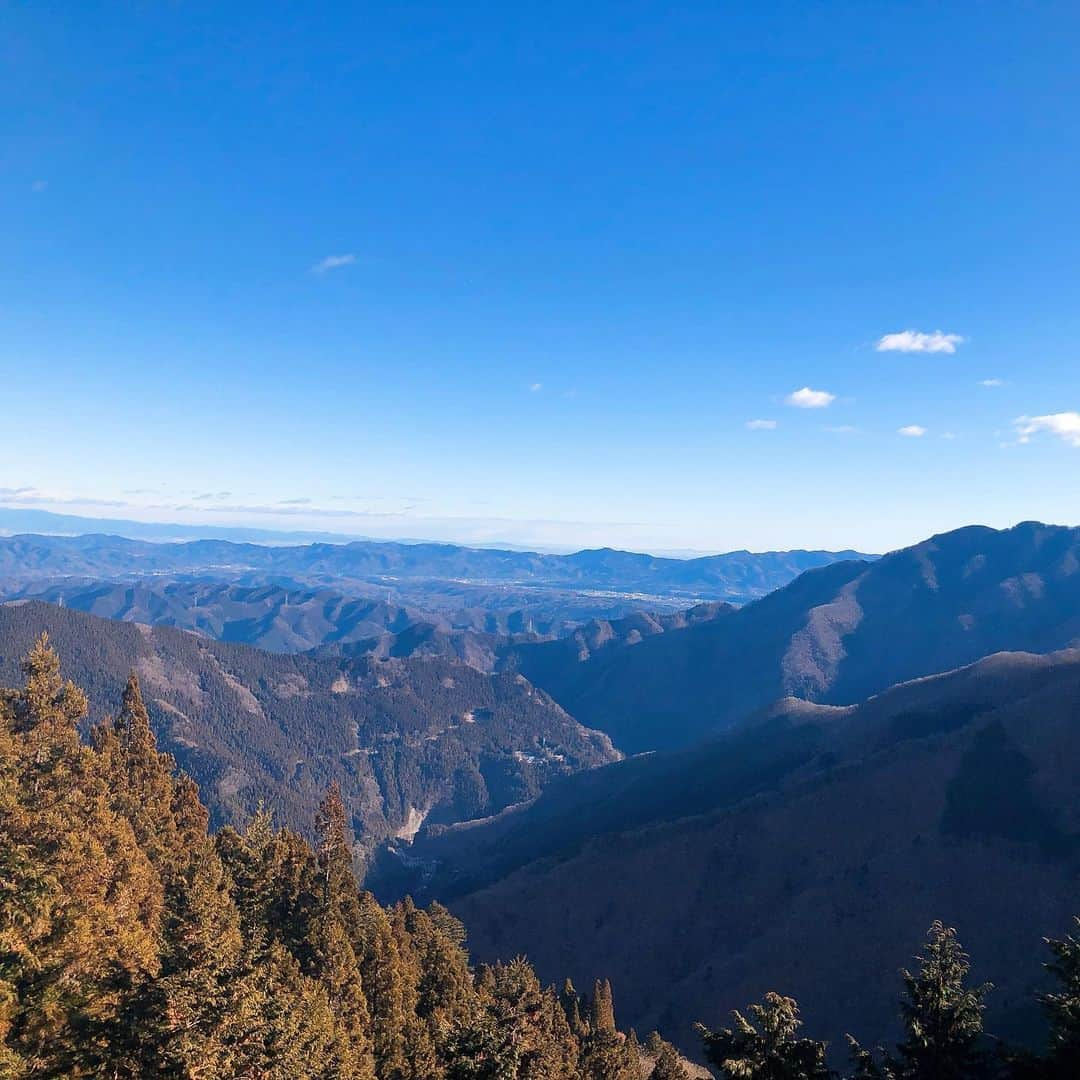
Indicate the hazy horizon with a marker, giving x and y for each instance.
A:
(61, 523)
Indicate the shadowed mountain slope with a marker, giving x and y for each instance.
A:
(796, 851)
(558, 663)
(834, 635)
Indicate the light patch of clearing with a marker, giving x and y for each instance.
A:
(292, 686)
(413, 820)
(181, 723)
(248, 701)
(164, 677)
(814, 656)
(232, 783)
(929, 573)
(340, 685)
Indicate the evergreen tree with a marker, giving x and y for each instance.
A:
(942, 1016)
(477, 1048)
(571, 1004)
(198, 1001)
(80, 904)
(335, 849)
(666, 1062)
(606, 1054)
(1062, 1008)
(602, 1009)
(532, 1022)
(338, 973)
(143, 785)
(384, 981)
(769, 1048)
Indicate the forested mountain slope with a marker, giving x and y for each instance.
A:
(405, 739)
(135, 944)
(788, 854)
(834, 635)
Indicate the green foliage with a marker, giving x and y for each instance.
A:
(668, 1065)
(80, 902)
(769, 1048)
(1062, 1007)
(942, 1017)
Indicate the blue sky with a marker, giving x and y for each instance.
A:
(527, 272)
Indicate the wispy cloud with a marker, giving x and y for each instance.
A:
(761, 425)
(810, 399)
(333, 262)
(909, 341)
(30, 496)
(949, 435)
(294, 502)
(536, 387)
(1065, 425)
(912, 431)
(206, 496)
(991, 382)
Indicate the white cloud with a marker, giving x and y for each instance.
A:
(810, 399)
(992, 382)
(911, 431)
(761, 425)
(536, 387)
(918, 341)
(333, 262)
(1065, 425)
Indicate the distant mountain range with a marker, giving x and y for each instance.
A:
(287, 620)
(738, 576)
